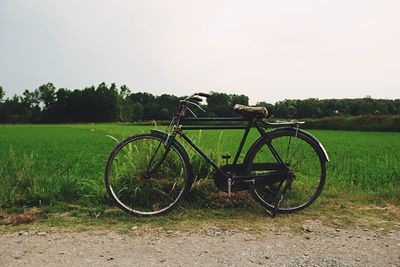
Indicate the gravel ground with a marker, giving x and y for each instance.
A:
(212, 246)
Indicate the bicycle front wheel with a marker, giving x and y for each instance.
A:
(145, 177)
(306, 165)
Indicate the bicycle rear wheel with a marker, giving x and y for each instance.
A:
(144, 177)
(306, 162)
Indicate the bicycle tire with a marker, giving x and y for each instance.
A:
(138, 189)
(309, 180)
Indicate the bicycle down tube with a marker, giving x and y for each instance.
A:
(217, 127)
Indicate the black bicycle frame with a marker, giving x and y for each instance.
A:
(251, 122)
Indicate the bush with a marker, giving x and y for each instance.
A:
(357, 123)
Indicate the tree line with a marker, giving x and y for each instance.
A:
(109, 103)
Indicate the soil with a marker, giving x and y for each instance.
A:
(312, 245)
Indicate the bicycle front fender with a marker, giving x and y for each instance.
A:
(158, 132)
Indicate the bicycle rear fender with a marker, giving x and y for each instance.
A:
(317, 141)
(294, 130)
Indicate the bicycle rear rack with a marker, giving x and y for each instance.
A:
(283, 123)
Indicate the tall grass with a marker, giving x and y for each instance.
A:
(23, 183)
(49, 164)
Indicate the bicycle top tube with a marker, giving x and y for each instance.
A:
(200, 123)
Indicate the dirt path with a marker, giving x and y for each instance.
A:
(312, 246)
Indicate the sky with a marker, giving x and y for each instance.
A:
(268, 50)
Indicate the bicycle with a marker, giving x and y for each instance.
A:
(284, 169)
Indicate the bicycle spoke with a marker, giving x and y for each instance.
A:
(304, 169)
(146, 178)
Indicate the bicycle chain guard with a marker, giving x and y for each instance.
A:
(222, 182)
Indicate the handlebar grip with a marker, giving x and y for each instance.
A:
(196, 99)
(203, 95)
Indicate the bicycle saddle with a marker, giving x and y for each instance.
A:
(256, 112)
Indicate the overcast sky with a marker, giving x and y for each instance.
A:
(268, 50)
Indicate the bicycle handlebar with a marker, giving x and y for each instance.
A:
(196, 99)
(187, 101)
(203, 95)
(198, 94)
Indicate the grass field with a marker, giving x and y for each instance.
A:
(53, 165)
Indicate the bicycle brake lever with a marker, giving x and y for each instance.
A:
(204, 95)
(194, 115)
(198, 106)
(197, 99)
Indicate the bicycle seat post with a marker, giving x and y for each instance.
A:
(226, 157)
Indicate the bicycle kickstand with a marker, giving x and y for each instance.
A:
(230, 203)
(274, 211)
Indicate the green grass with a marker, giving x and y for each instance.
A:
(48, 165)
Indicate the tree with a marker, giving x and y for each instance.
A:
(2, 93)
(61, 111)
(125, 109)
(142, 98)
(137, 112)
(170, 102)
(124, 91)
(103, 103)
(164, 114)
(238, 99)
(151, 111)
(270, 107)
(13, 110)
(124, 103)
(219, 105)
(308, 108)
(47, 94)
(285, 109)
(31, 102)
(106, 102)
